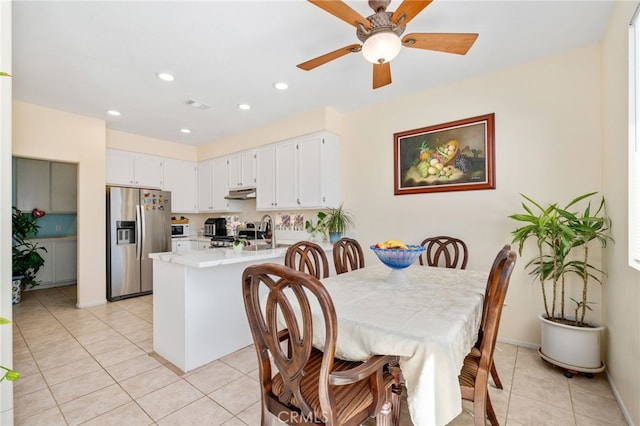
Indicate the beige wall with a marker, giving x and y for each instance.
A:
(145, 145)
(547, 134)
(55, 135)
(621, 295)
(309, 122)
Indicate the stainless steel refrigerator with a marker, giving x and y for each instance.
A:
(138, 223)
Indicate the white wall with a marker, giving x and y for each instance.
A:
(621, 294)
(6, 340)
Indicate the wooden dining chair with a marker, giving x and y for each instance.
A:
(310, 386)
(347, 255)
(490, 289)
(474, 375)
(448, 252)
(309, 257)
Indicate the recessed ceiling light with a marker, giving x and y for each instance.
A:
(164, 76)
(185, 130)
(281, 85)
(114, 112)
(244, 106)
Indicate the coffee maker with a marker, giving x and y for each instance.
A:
(215, 227)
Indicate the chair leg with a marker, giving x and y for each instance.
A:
(396, 393)
(490, 413)
(384, 417)
(495, 377)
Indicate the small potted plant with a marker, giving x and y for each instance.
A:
(563, 239)
(319, 228)
(25, 255)
(5, 372)
(338, 220)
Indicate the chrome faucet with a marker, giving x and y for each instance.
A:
(267, 228)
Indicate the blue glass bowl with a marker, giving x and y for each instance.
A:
(398, 258)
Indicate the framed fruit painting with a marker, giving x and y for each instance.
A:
(454, 156)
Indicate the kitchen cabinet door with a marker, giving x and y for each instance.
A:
(180, 177)
(32, 184)
(65, 262)
(221, 188)
(64, 187)
(46, 273)
(317, 171)
(285, 176)
(205, 186)
(119, 167)
(131, 169)
(148, 171)
(266, 178)
(181, 246)
(241, 168)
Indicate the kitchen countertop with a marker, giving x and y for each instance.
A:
(206, 258)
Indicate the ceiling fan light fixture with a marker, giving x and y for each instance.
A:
(381, 47)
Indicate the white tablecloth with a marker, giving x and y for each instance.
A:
(427, 316)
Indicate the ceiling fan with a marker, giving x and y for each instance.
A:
(380, 36)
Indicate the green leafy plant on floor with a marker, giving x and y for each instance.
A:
(7, 373)
(25, 255)
(562, 238)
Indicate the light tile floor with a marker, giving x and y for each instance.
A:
(93, 367)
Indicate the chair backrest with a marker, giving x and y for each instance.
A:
(347, 255)
(444, 251)
(491, 284)
(309, 257)
(286, 316)
(498, 281)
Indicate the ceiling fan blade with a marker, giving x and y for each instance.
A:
(411, 8)
(327, 57)
(340, 10)
(458, 43)
(381, 75)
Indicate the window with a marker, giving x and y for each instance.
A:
(634, 142)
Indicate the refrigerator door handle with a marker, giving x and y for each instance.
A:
(140, 227)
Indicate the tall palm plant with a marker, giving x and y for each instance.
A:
(558, 231)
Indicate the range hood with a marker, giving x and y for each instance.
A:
(242, 194)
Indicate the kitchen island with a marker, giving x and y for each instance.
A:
(198, 309)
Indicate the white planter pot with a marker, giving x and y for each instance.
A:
(574, 348)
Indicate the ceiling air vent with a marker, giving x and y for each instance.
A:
(197, 104)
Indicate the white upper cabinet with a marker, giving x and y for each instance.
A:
(286, 186)
(241, 168)
(317, 171)
(300, 173)
(266, 178)
(131, 169)
(46, 185)
(180, 177)
(205, 186)
(221, 188)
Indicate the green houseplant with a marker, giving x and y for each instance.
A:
(319, 228)
(338, 220)
(562, 237)
(25, 255)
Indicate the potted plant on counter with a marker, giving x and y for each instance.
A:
(563, 239)
(338, 220)
(320, 228)
(25, 255)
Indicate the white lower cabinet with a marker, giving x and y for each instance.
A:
(181, 245)
(60, 262)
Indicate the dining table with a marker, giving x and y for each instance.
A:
(426, 316)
